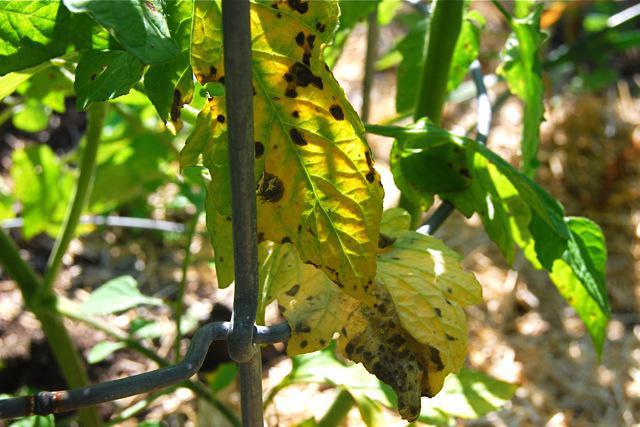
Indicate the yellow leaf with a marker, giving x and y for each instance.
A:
(316, 185)
(313, 305)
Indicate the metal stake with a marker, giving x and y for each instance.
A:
(236, 32)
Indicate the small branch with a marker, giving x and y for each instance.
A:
(18, 270)
(370, 59)
(81, 195)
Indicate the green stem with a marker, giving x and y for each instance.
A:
(502, 10)
(444, 29)
(370, 59)
(58, 338)
(179, 303)
(338, 410)
(81, 195)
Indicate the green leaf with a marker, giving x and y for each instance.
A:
(387, 10)
(102, 350)
(50, 87)
(352, 12)
(10, 82)
(117, 295)
(169, 85)
(470, 395)
(43, 187)
(104, 75)
(370, 410)
(410, 68)
(522, 70)
(35, 421)
(223, 376)
(140, 26)
(32, 116)
(32, 32)
(467, 48)
(580, 277)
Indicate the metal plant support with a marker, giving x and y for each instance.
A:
(243, 336)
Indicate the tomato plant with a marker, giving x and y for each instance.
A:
(345, 275)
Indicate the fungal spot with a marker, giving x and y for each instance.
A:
(465, 172)
(270, 188)
(303, 76)
(293, 291)
(174, 114)
(274, 5)
(322, 342)
(397, 340)
(310, 39)
(221, 80)
(382, 308)
(435, 358)
(299, 6)
(282, 309)
(260, 237)
(306, 59)
(93, 76)
(336, 112)
(438, 312)
(349, 348)
(285, 240)
(320, 27)
(259, 149)
(384, 241)
(450, 338)
(278, 15)
(228, 218)
(300, 38)
(291, 93)
(297, 137)
(303, 343)
(370, 177)
(288, 77)
(220, 118)
(295, 114)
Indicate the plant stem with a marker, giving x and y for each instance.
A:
(338, 410)
(502, 10)
(444, 29)
(370, 59)
(179, 303)
(52, 325)
(81, 195)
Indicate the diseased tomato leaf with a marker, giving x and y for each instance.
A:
(316, 186)
(515, 211)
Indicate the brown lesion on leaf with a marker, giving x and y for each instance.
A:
(270, 188)
(336, 112)
(320, 27)
(371, 177)
(210, 77)
(299, 75)
(174, 113)
(259, 149)
(385, 241)
(300, 39)
(220, 119)
(297, 137)
(293, 291)
(300, 6)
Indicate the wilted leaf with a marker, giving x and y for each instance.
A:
(522, 70)
(140, 26)
(43, 187)
(312, 304)
(516, 211)
(316, 185)
(31, 32)
(103, 75)
(116, 295)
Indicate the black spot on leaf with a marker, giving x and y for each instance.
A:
(370, 177)
(290, 93)
(299, 6)
(384, 241)
(285, 240)
(295, 114)
(174, 114)
(300, 38)
(310, 39)
(297, 137)
(336, 112)
(220, 118)
(320, 27)
(304, 77)
(303, 343)
(306, 59)
(293, 291)
(259, 149)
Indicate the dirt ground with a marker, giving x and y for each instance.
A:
(524, 332)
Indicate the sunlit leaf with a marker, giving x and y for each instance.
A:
(35, 421)
(316, 185)
(32, 32)
(169, 85)
(116, 295)
(43, 187)
(104, 75)
(410, 68)
(140, 26)
(103, 350)
(467, 48)
(32, 116)
(522, 69)
(10, 82)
